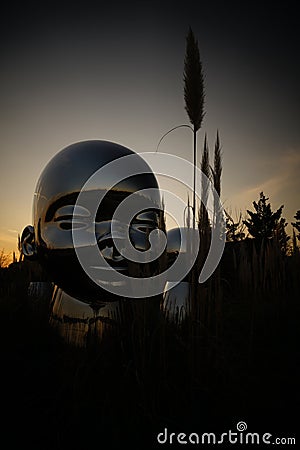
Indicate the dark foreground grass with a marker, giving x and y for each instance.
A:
(240, 362)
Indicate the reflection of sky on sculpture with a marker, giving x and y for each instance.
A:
(116, 74)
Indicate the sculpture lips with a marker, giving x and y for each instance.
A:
(108, 237)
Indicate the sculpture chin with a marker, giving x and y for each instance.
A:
(66, 272)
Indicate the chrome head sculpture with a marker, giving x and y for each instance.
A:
(50, 238)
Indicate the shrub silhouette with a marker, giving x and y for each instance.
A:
(263, 223)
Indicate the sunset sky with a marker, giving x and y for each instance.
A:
(114, 71)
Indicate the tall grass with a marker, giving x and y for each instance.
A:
(235, 357)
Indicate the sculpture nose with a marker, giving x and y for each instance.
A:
(108, 249)
(111, 254)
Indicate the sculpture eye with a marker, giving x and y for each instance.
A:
(68, 216)
(144, 228)
(150, 217)
(145, 222)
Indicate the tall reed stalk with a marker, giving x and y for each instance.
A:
(193, 96)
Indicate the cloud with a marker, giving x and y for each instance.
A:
(282, 184)
(8, 239)
(285, 177)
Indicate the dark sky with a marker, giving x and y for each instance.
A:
(113, 70)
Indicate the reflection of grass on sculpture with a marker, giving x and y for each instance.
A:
(174, 310)
(235, 357)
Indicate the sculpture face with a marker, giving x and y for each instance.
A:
(53, 216)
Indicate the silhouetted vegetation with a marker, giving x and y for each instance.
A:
(296, 225)
(235, 231)
(4, 258)
(217, 169)
(193, 96)
(263, 223)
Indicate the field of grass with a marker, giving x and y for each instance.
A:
(235, 358)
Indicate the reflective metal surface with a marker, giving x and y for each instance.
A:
(177, 243)
(77, 323)
(50, 239)
(175, 299)
(176, 302)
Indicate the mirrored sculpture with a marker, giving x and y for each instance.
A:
(54, 216)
